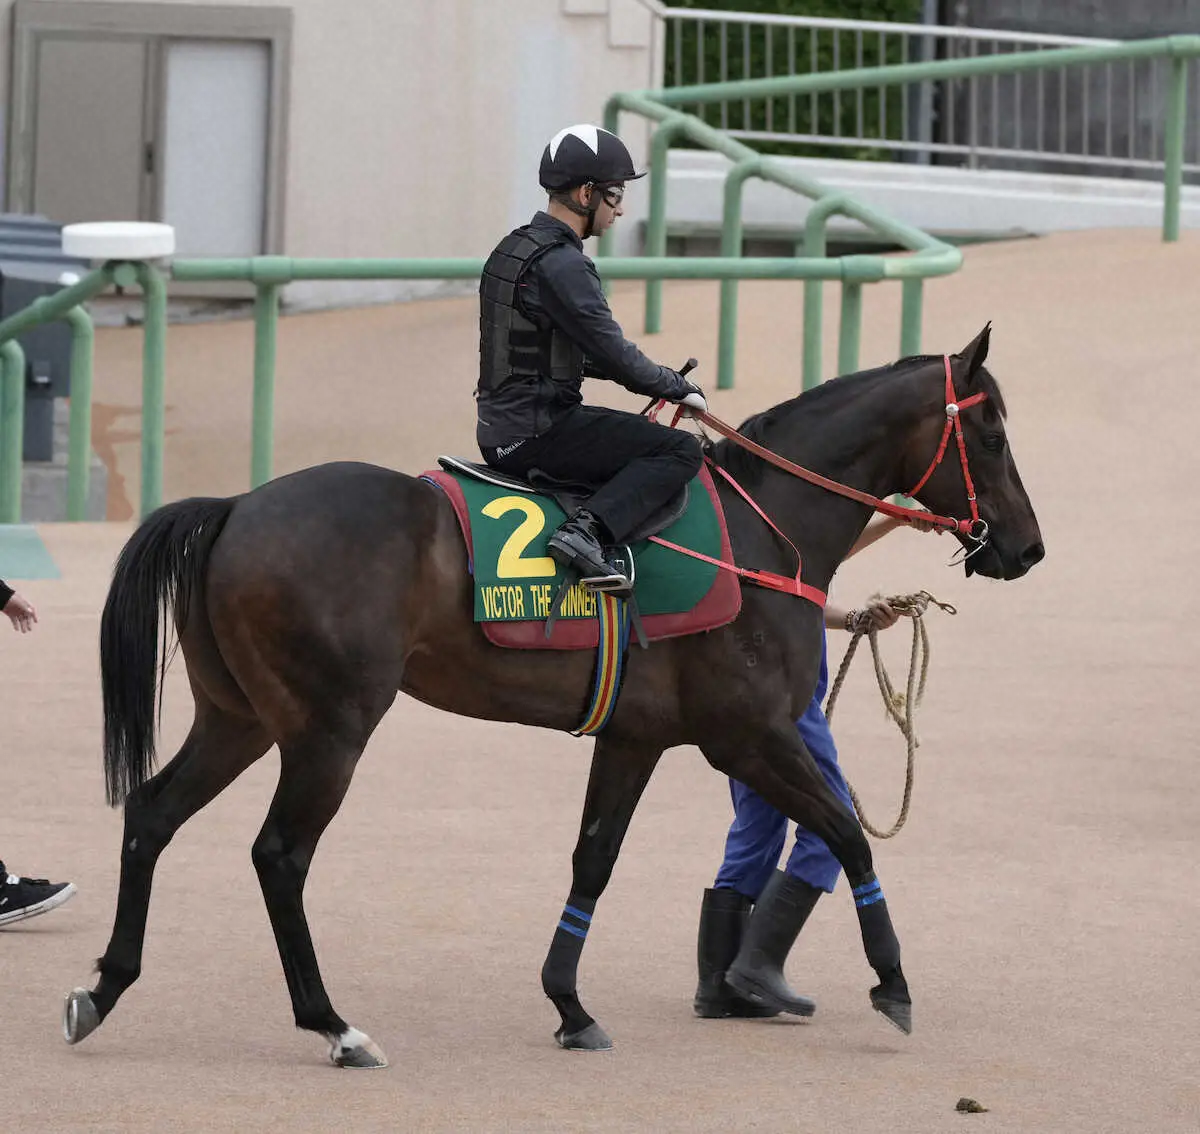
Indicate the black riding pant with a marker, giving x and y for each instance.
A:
(638, 464)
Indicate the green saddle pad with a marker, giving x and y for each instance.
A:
(515, 580)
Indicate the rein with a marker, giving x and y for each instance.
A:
(974, 529)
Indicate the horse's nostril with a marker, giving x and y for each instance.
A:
(1034, 553)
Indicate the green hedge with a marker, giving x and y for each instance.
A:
(751, 53)
(893, 11)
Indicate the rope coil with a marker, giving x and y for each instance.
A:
(901, 707)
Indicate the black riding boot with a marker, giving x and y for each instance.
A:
(723, 917)
(757, 970)
(579, 543)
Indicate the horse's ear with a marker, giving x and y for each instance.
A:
(975, 352)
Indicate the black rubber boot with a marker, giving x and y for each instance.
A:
(757, 970)
(723, 917)
(579, 543)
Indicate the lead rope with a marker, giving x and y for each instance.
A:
(901, 707)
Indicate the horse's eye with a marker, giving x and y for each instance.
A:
(994, 442)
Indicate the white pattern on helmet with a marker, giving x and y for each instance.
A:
(588, 135)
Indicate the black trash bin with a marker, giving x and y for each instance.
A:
(30, 228)
(47, 347)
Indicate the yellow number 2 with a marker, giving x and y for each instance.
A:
(511, 564)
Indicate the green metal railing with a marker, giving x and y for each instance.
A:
(68, 306)
(926, 257)
(929, 257)
(270, 273)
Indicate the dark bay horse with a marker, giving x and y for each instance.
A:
(277, 656)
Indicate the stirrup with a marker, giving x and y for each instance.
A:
(614, 584)
(570, 578)
(617, 582)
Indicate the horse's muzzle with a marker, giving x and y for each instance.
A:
(990, 562)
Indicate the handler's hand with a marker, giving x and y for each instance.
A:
(880, 615)
(922, 525)
(21, 613)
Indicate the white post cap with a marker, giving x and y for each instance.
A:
(118, 240)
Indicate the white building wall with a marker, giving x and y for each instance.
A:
(416, 126)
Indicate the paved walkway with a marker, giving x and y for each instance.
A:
(1043, 889)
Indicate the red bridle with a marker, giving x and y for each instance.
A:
(954, 422)
(908, 515)
(974, 528)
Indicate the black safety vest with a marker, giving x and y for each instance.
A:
(526, 372)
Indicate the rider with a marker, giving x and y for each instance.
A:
(544, 325)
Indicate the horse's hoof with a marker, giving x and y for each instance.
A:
(898, 1013)
(591, 1038)
(80, 1017)
(356, 1050)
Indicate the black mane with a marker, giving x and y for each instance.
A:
(747, 467)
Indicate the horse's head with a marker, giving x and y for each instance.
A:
(1011, 538)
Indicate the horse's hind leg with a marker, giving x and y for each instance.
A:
(314, 776)
(777, 765)
(217, 750)
(620, 772)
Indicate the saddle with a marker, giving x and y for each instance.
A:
(568, 495)
(506, 522)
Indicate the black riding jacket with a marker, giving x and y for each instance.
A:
(544, 324)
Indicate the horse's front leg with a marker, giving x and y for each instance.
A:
(620, 772)
(778, 766)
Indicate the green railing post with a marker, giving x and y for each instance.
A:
(656, 224)
(79, 447)
(1173, 135)
(731, 245)
(912, 292)
(266, 323)
(611, 123)
(814, 289)
(814, 312)
(154, 366)
(850, 331)
(12, 429)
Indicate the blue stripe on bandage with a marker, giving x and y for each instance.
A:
(586, 917)
(869, 899)
(572, 929)
(866, 888)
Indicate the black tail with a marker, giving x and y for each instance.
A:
(155, 576)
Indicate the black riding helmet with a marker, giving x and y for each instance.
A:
(585, 155)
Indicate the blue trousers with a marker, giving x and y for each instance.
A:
(758, 832)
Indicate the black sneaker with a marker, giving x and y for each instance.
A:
(27, 897)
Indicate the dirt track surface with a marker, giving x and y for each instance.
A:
(1044, 890)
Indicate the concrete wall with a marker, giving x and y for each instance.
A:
(1116, 19)
(940, 200)
(416, 126)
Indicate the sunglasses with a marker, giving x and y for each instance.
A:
(612, 195)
